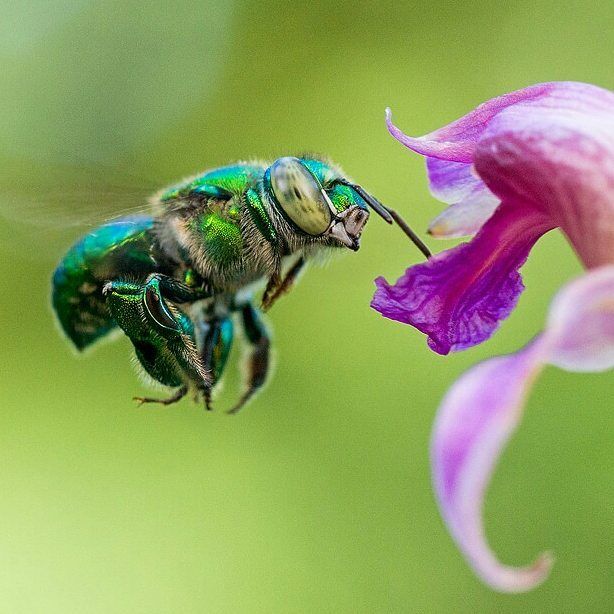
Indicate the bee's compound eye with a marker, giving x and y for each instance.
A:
(300, 196)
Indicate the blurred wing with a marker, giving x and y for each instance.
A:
(44, 207)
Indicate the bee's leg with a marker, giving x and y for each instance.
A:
(278, 285)
(271, 288)
(162, 334)
(181, 392)
(176, 291)
(258, 360)
(214, 339)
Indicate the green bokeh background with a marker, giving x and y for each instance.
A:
(318, 497)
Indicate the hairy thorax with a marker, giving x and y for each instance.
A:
(219, 240)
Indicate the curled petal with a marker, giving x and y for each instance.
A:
(456, 141)
(476, 419)
(458, 297)
(483, 409)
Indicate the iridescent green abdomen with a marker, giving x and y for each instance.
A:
(121, 247)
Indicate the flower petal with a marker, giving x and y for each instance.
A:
(476, 419)
(458, 297)
(547, 152)
(451, 150)
(561, 162)
(450, 182)
(456, 141)
(484, 407)
(581, 323)
(472, 202)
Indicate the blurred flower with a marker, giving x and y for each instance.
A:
(513, 169)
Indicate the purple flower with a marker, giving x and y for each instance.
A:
(513, 169)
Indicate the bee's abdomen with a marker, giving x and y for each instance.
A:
(119, 248)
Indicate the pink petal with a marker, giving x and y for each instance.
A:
(546, 153)
(476, 419)
(484, 407)
(459, 297)
(581, 323)
(472, 202)
(562, 163)
(456, 141)
(451, 150)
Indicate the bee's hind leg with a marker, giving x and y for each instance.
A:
(258, 360)
(161, 333)
(214, 340)
(177, 396)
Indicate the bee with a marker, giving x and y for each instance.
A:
(175, 280)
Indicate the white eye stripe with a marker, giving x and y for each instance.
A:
(300, 196)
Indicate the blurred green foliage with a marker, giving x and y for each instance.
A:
(318, 497)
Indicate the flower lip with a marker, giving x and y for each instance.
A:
(459, 297)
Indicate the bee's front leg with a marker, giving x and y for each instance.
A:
(258, 360)
(279, 285)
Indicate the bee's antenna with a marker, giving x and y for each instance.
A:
(390, 215)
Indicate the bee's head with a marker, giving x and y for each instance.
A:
(316, 201)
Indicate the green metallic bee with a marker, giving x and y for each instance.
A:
(172, 280)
